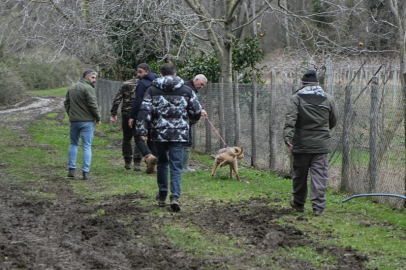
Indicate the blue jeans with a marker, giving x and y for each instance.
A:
(85, 131)
(169, 153)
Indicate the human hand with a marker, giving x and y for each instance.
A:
(98, 123)
(145, 138)
(289, 145)
(113, 118)
(204, 113)
(130, 122)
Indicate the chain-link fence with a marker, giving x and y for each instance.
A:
(368, 150)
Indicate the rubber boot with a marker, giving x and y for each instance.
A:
(186, 160)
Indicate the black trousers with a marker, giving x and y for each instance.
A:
(129, 151)
(146, 148)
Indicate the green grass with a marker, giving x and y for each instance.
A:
(59, 92)
(372, 229)
(300, 254)
(201, 244)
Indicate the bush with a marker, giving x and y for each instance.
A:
(39, 75)
(12, 87)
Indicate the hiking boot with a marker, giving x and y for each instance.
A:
(127, 165)
(150, 160)
(86, 176)
(71, 173)
(296, 207)
(317, 213)
(160, 199)
(155, 169)
(175, 205)
(137, 166)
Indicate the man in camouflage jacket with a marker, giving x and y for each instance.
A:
(125, 96)
(169, 107)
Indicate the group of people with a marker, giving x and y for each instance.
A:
(159, 112)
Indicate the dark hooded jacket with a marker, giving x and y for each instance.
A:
(168, 108)
(312, 113)
(142, 87)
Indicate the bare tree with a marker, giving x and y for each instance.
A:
(219, 31)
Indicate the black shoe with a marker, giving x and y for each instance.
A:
(86, 176)
(296, 207)
(175, 206)
(317, 213)
(161, 200)
(71, 173)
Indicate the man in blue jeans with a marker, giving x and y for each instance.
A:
(82, 109)
(169, 107)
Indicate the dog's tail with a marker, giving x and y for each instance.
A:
(241, 152)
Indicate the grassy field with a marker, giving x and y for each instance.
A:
(373, 230)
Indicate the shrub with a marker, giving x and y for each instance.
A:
(12, 87)
(39, 75)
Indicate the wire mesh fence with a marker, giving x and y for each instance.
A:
(368, 153)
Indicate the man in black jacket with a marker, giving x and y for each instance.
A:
(168, 109)
(145, 145)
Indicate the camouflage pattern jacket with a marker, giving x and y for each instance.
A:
(125, 94)
(167, 110)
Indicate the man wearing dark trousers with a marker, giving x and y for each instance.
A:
(144, 143)
(311, 115)
(125, 96)
(196, 84)
(169, 107)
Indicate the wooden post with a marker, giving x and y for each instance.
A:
(330, 76)
(221, 112)
(210, 114)
(273, 145)
(254, 121)
(346, 158)
(373, 136)
(404, 123)
(237, 126)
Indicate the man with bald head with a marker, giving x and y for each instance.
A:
(196, 84)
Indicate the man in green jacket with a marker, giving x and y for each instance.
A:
(82, 109)
(312, 113)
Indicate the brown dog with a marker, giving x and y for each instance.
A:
(228, 156)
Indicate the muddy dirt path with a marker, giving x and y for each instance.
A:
(62, 232)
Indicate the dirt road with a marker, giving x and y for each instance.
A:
(62, 232)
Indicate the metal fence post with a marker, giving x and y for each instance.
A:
(221, 111)
(254, 121)
(210, 113)
(237, 126)
(273, 145)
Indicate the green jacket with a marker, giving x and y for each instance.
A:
(126, 95)
(311, 115)
(81, 103)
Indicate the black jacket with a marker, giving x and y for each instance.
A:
(142, 87)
